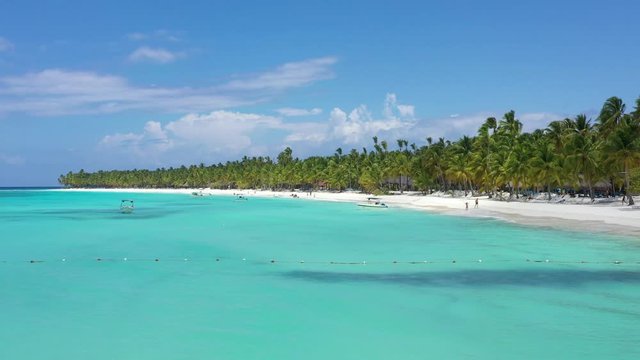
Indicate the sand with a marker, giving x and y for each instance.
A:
(612, 217)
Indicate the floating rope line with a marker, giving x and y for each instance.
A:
(360, 263)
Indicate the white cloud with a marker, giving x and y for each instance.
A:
(359, 126)
(55, 92)
(215, 132)
(453, 127)
(229, 134)
(225, 135)
(59, 92)
(163, 35)
(393, 109)
(298, 112)
(11, 159)
(151, 143)
(406, 110)
(158, 55)
(5, 45)
(293, 74)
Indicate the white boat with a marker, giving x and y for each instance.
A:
(126, 206)
(373, 202)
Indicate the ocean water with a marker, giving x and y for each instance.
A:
(294, 279)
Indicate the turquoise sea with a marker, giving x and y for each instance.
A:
(332, 291)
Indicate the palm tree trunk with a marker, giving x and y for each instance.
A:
(549, 190)
(627, 191)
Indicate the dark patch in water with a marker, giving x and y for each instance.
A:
(90, 214)
(476, 278)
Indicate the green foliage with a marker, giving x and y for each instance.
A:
(574, 154)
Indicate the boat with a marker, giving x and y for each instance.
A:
(126, 206)
(373, 202)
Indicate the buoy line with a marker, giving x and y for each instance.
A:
(276, 261)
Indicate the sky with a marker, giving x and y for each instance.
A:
(147, 84)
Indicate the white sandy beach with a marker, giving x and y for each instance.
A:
(611, 217)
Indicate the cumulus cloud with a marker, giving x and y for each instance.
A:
(5, 45)
(54, 92)
(359, 126)
(237, 133)
(215, 132)
(157, 55)
(229, 135)
(392, 109)
(287, 111)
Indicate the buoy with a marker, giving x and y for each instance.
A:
(64, 260)
(125, 259)
(157, 260)
(479, 260)
(244, 259)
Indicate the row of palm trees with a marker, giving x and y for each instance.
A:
(576, 154)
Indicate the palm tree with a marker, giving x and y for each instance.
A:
(611, 115)
(583, 152)
(545, 166)
(623, 147)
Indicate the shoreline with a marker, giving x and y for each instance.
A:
(611, 218)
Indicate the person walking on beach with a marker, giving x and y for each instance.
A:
(466, 205)
(476, 206)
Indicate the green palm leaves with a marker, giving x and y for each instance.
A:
(572, 153)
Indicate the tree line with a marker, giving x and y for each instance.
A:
(577, 154)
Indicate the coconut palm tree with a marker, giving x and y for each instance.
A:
(623, 148)
(611, 115)
(544, 165)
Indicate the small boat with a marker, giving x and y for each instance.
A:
(373, 202)
(126, 206)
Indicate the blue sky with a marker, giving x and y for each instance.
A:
(118, 84)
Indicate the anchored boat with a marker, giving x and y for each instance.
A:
(126, 206)
(373, 202)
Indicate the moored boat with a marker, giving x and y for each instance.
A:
(126, 206)
(373, 202)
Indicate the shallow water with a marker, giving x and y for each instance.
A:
(332, 290)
